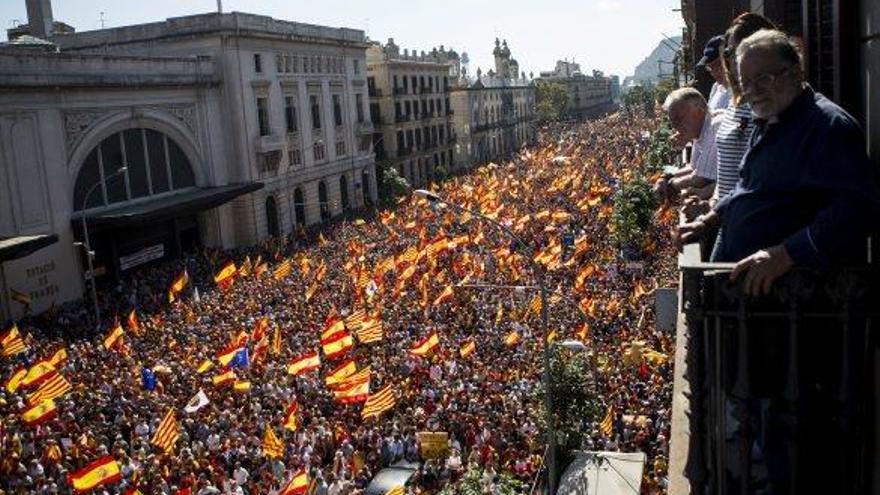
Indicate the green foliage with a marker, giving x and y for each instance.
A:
(392, 185)
(550, 100)
(663, 88)
(638, 97)
(634, 205)
(470, 484)
(660, 152)
(575, 404)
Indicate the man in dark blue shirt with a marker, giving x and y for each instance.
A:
(807, 194)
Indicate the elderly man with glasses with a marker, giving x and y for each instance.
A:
(807, 194)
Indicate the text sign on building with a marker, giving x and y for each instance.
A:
(143, 256)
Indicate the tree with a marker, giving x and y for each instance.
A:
(550, 100)
(392, 185)
(663, 88)
(470, 484)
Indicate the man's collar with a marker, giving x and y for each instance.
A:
(797, 106)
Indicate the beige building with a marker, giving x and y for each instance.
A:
(411, 109)
(205, 130)
(588, 96)
(494, 113)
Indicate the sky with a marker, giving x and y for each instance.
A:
(609, 35)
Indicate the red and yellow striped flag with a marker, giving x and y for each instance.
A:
(283, 270)
(12, 342)
(58, 357)
(444, 296)
(332, 327)
(39, 413)
(302, 364)
(226, 275)
(38, 373)
(341, 372)
(468, 349)
(114, 338)
(355, 319)
(177, 286)
(167, 433)
(337, 345)
(224, 378)
(52, 388)
(379, 402)
(512, 339)
(353, 379)
(607, 424)
(357, 392)
(290, 421)
(100, 472)
(426, 345)
(273, 448)
(298, 485)
(205, 366)
(371, 331)
(276, 342)
(396, 490)
(134, 325)
(14, 381)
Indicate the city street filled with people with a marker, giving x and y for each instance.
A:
(310, 362)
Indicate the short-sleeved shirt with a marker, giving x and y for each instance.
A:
(704, 158)
(732, 140)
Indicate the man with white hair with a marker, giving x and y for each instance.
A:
(690, 118)
(807, 194)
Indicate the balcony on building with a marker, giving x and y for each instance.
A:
(375, 92)
(270, 143)
(399, 91)
(364, 128)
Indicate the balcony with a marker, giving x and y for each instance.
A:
(363, 128)
(270, 143)
(399, 91)
(375, 92)
(779, 387)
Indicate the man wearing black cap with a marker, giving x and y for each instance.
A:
(719, 97)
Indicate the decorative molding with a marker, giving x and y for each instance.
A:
(78, 122)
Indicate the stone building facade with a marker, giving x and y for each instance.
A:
(494, 114)
(588, 95)
(411, 109)
(206, 130)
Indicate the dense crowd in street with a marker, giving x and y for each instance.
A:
(397, 267)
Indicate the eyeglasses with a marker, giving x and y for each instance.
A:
(763, 81)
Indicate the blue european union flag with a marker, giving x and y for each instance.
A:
(148, 379)
(241, 359)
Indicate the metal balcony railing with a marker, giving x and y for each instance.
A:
(784, 388)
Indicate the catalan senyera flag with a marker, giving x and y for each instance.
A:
(512, 339)
(167, 433)
(351, 394)
(100, 472)
(353, 379)
(371, 331)
(114, 338)
(290, 422)
(177, 286)
(283, 270)
(260, 329)
(245, 269)
(535, 305)
(39, 413)
(332, 327)
(355, 319)
(226, 275)
(273, 448)
(467, 349)
(379, 402)
(52, 388)
(14, 381)
(14, 346)
(302, 364)
(337, 345)
(607, 424)
(134, 325)
(426, 345)
(298, 485)
(341, 372)
(444, 296)
(224, 378)
(276, 342)
(10, 334)
(58, 357)
(205, 366)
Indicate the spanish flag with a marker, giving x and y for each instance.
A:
(341, 372)
(58, 357)
(426, 345)
(336, 345)
(224, 378)
(38, 373)
(226, 275)
(378, 403)
(468, 349)
(242, 386)
(302, 364)
(332, 327)
(245, 269)
(205, 366)
(351, 394)
(353, 379)
(298, 485)
(290, 422)
(114, 338)
(39, 413)
(167, 433)
(15, 379)
(177, 286)
(444, 296)
(133, 325)
(273, 448)
(512, 339)
(100, 472)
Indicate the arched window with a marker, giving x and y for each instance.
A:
(299, 206)
(154, 164)
(272, 217)
(322, 198)
(343, 193)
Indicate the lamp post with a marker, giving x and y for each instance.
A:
(542, 288)
(88, 247)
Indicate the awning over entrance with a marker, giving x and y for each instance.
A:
(157, 209)
(18, 247)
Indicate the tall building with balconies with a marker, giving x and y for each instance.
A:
(588, 95)
(411, 110)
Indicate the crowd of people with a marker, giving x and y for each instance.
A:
(486, 401)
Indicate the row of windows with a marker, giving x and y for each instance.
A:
(290, 112)
(418, 171)
(418, 84)
(286, 63)
(423, 138)
(410, 108)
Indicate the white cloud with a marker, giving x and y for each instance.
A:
(607, 5)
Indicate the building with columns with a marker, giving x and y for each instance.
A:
(411, 109)
(588, 95)
(494, 113)
(206, 130)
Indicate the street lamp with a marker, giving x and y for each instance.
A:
(88, 247)
(539, 276)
